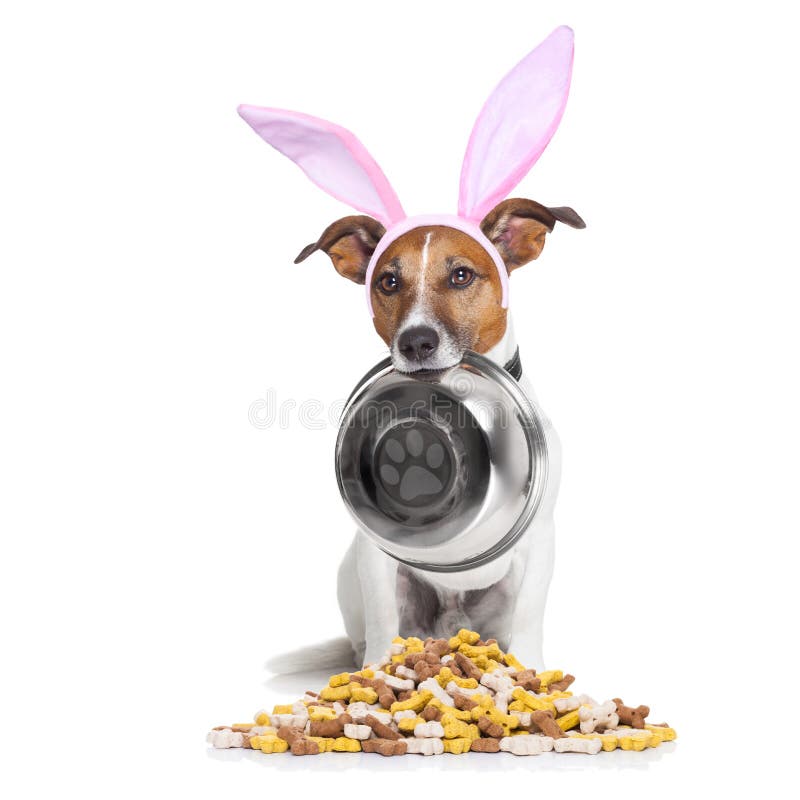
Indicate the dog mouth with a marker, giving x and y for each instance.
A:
(421, 366)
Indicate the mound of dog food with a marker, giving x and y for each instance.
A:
(446, 696)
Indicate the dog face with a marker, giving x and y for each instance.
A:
(435, 291)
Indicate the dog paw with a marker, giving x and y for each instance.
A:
(413, 465)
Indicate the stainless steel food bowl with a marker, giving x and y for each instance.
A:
(443, 470)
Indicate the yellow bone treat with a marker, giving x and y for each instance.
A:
(343, 744)
(261, 718)
(531, 701)
(512, 662)
(548, 677)
(284, 709)
(453, 728)
(324, 743)
(271, 744)
(363, 694)
(464, 716)
(331, 693)
(570, 720)
(474, 651)
(666, 733)
(506, 720)
(407, 724)
(414, 703)
(457, 746)
(342, 679)
(319, 713)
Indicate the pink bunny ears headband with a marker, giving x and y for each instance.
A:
(512, 130)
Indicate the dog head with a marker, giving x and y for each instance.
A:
(435, 290)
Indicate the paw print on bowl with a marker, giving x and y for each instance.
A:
(413, 465)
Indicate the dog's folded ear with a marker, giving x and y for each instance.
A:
(350, 243)
(517, 228)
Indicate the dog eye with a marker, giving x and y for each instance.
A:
(461, 277)
(388, 283)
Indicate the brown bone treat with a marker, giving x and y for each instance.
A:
(489, 728)
(462, 702)
(562, 685)
(385, 747)
(304, 747)
(467, 666)
(527, 680)
(485, 745)
(298, 744)
(290, 732)
(546, 724)
(330, 728)
(439, 647)
(412, 659)
(425, 670)
(404, 695)
(431, 714)
(631, 716)
(381, 731)
(455, 669)
(385, 694)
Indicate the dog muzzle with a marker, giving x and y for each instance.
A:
(443, 470)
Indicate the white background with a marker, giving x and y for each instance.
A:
(157, 546)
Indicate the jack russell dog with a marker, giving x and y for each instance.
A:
(436, 293)
(435, 290)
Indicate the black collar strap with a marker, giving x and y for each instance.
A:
(514, 366)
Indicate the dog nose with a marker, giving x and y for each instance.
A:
(418, 343)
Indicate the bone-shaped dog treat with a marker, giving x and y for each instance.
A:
(631, 716)
(385, 747)
(545, 722)
(352, 731)
(330, 728)
(424, 747)
(562, 685)
(571, 744)
(489, 728)
(299, 745)
(429, 730)
(565, 704)
(381, 731)
(485, 745)
(598, 717)
(526, 745)
(467, 666)
(527, 680)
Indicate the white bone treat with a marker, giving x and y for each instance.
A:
(429, 730)
(572, 744)
(598, 718)
(360, 732)
(425, 747)
(432, 685)
(225, 739)
(526, 745)
(565, 704)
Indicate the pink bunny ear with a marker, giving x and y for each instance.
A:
(331, 156)
(515, 125)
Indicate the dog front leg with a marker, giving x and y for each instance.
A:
(527, 622)
(377, 574)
